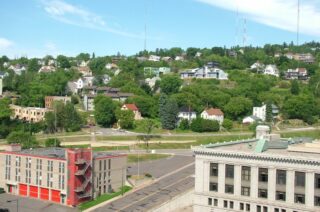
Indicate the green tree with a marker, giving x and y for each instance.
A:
(52, 142)
(227, 124)
(170, 117)
(33, 65)
(72, 120)
(170, 84)
(125, 118)
(184, 124)
(25, 139)
(83, 56)
(5, 110)
(238, 107)
(63, 61)
(104, 111)
(269, 115)
(162, 102)
(295, 89)
(204, 125)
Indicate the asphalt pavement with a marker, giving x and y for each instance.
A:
(173, 176)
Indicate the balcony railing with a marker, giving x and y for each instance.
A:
(82, 171)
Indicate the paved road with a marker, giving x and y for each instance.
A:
(31, 205)
(154, 194)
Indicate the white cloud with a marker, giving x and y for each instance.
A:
(280, 14)
(73, 15)
(5, 43)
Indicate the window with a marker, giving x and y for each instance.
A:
(263, 175)
(317, 181)
(241, 206)
(316, 201)
(300, 179)
(213, 187)
(225, 203)
(281, 196)
(262, 193)
(100, 165)
(105, 164)
(281, 177)
(284, 210)
(214, 169)
(229, 189)
(245, 191)
(247, 207)
(231, 204)
(276, 210)
(299, 198)
(109, 163)
(215, 202)
(209, 201)
(245, 173)
(265, 209)
(259, 208)
(229, 171)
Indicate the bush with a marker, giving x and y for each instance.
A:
(148, 175)
(52, 142)
(227, 124)
(24, 138)
(204, 125)
(184, 124)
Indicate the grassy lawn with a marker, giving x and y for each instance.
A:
(134, 158)
(103, 198)
(312, 134)
(99, 149)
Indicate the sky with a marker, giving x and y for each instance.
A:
(35, 28)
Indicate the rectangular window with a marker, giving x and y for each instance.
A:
(265, 209)
(245, 191)
(209, 201)
(300, 179)
(229, 171)
(214, 169)
(100, 162)
(215, 202)
(48, 179)
(316, 201)
(263, 175)
(229, 189)
(276, 210)
(225, 204)
(241, 206)
(263, 193)
(231, 204)
(245, 173)
(281, 196)
(317, 181)
(105, 164)
(247, 207)
(299, 198)
(259, 208)
(213, 187)
(109, 163)
(281, 177)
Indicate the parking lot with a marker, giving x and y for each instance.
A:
(23, 204)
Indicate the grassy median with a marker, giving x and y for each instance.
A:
(134, 158)
(103, 198)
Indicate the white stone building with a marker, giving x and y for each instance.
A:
(260, 112)
(258, 175)
(271, 70)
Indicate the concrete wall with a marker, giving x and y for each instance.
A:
(178, 202)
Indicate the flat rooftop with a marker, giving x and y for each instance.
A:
(58, 153)
(296, 147)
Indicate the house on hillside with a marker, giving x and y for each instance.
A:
(154, 58)
(179, 58)
(18, 69)
(258, 66)
(261, 112)
(134, 109)
(205, 72)
(271, 70)
(186, 113)
(167, 59)
(250, 119)
(298, 73)
(157, 71)
(213, 114)
(47, 69)
(306, 58)
(152, 81)
(3, 74)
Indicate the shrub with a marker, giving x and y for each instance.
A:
(52, 142)
(204, 125)
(184, 124)
(227, 124)
(25, 139)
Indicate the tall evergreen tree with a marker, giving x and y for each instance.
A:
(269, 116)
(295, 87)
(162, 103)
(170, 116)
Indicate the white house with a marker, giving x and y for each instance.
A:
(106, 78)
(260, 112)
(154, 58)
(257, 65)
(179, 58)
(250, 119)
(3, 74)
(271, 70)
(152, 81)
(47, 69)
(186, 113)
(213, 114)
(17, 69)
(84, 63)
(134, 109)
(205, 73)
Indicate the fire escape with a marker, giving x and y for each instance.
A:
(84, 176)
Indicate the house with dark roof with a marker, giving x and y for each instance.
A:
(187, 113)
(213, 114)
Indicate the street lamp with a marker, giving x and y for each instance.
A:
(14, 200)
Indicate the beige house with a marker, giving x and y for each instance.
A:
(30, 114)
(213, 114)
(50, 99)
(134, 109)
